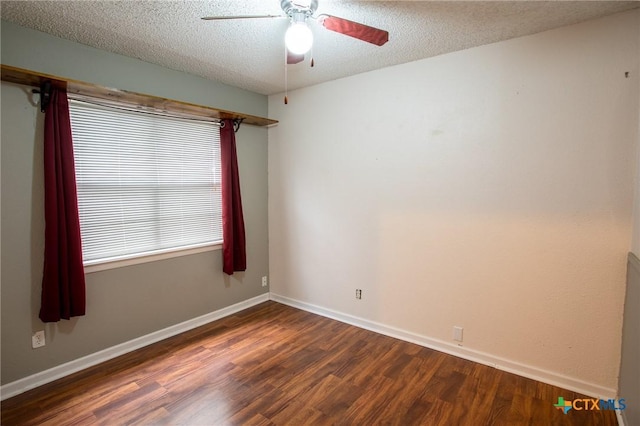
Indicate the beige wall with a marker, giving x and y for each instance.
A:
(125, 303)
(490, 189)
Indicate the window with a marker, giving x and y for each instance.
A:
(146, 183)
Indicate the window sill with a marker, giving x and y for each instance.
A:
(121, 262)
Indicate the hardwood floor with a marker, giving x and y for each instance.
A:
(273, 364)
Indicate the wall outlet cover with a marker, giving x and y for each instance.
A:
(457, 333)
(37, 340)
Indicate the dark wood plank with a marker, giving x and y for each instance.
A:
(276, 365)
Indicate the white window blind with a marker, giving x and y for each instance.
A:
(146, 183)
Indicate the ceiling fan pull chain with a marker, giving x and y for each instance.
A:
(286, 55)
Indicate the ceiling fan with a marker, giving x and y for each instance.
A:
(299, 38)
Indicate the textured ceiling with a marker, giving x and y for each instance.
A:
(250, 53)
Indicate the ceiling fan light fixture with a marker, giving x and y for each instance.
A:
(298, 38)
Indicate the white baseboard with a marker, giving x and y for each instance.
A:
(43, 377)
(621, 418)
(514, 367)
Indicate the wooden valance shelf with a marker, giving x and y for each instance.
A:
(35, 79)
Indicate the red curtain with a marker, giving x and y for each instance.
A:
(234, 255)
(63, 286)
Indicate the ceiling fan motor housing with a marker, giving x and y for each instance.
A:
(298, 7)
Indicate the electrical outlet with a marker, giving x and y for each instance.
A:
(457, 333)
(37, 340)
(358, 293)
(264, 281)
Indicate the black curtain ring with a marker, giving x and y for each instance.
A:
(236, 124)
(45, 94)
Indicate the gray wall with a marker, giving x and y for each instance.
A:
(128, 302)
(629, 367)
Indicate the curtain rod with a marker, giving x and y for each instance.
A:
(45, 95)
(35, 79)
